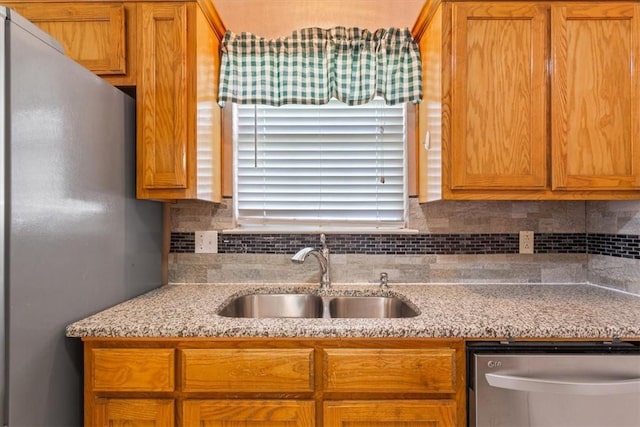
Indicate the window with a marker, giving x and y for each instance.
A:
(320, 167)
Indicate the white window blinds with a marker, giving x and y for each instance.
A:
(320, 166)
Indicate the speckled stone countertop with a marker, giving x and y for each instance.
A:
(470, 311)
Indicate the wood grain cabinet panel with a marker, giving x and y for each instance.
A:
(498, 121)
(595, 95)
(97, 35)
(132, 369)
(133, 413)
(390, 370)
(540, 100)
(162, 116)
(179, 122)
(271, 382)
(247, 370)
(254, 413)
(390, 413)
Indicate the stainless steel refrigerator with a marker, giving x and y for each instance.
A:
(74, 239)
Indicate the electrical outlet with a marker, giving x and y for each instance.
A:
(526, 242)
(206, 242)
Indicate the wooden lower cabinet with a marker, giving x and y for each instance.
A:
(132, 413)
(390, 413)
(254, 413)
(281, 382)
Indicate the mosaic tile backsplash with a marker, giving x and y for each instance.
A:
(466, 242)
(623, 246)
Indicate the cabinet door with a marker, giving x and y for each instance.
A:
(498, 97)
(94, 34)
(254, 413)
(163, 137)
(133, 413)
(596, 96)
(390, 413)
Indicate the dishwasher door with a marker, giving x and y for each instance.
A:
(555, 390)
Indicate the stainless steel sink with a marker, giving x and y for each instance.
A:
(369, 307)
(283, 305)
(274, 305)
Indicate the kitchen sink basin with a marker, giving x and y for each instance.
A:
(283, 305)
(274, 305)
(369, 307)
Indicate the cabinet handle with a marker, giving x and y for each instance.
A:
(427, 141)
(594, 387)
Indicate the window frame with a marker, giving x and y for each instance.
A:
(409, 184)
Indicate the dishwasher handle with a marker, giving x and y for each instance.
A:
(593, 387)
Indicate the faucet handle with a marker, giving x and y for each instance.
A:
(323, 240)
(384, 281)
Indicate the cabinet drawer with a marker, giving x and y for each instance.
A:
(132, 369)
(247, 370)
(390, 370)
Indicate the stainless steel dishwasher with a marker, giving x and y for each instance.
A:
(554, 384)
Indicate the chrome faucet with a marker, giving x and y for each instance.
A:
(322, 255)
(384, 281)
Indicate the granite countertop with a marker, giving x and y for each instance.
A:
(470, 311)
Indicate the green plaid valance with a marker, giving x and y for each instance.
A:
(313, 65)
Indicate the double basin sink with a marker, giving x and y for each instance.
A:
(299, 305)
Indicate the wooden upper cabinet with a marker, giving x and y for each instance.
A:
(540, 100)
(97, 35)
(179, 122)
(170, 52)
(498, 104)
(595, 94)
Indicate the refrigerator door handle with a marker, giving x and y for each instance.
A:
(591, 387)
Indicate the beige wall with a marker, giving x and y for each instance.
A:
(277, 18)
